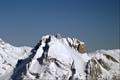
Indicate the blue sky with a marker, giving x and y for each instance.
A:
(24, 22)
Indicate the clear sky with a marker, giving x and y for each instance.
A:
(24, 22)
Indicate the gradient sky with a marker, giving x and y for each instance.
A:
(24, 22)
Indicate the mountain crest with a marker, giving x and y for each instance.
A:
(57, 58)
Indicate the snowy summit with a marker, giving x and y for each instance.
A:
(58, 58)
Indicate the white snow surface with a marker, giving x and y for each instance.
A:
(9, 56)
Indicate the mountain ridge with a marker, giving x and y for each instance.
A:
(55, 57)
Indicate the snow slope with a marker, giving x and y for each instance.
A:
(9, 56)
(104, 64)
(57, 58)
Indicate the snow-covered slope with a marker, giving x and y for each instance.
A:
(104, 65)
(57, 58)
(9, 56)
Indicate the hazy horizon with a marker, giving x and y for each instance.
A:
(96, 22)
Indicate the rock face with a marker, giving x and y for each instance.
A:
(57, 58)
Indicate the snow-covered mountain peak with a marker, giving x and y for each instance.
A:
(70, 42)
(57, 58)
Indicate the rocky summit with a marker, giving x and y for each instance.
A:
(57, 58)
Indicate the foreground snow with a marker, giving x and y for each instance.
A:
(57, 58)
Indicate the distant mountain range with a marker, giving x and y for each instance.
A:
(58, 58)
